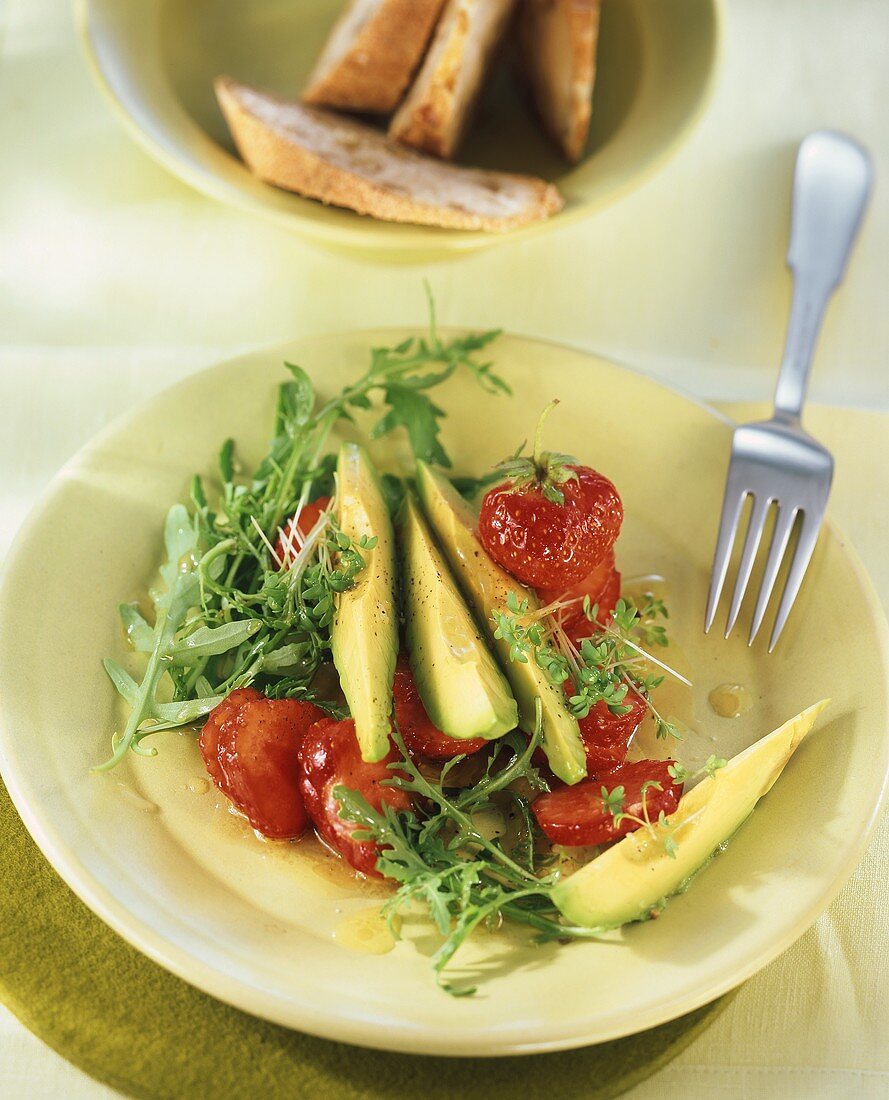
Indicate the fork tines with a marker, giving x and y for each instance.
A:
(782, 470)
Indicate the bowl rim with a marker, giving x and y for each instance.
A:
(151, 942)
(424, 242)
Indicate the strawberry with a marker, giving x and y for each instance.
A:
(552, 522)
(249, 745)
(421, 736)
(585, 813)
(293, 535)
(602, 586)
(329, 757)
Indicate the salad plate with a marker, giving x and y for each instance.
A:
(278, 929)
(156, 61)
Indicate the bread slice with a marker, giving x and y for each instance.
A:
(371, 54)
(335, 159)
(558, 49)
(438, 106)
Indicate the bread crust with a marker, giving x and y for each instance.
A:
(565, 115)
(435, 112)
(276, 136)
(373, 73)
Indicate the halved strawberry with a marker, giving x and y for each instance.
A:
(249, 745)
(583, 815)
(293, 535)
(606, 736)
(330, 757)
(421, 736)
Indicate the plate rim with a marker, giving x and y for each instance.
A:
(425, 242)
(353, 1029)
(91, 1061)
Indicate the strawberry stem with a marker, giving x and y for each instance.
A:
(545, 469)
(540, 456)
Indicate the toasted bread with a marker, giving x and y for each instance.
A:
(436, 109)
(558, 49)
(371, 54)
(326, 156)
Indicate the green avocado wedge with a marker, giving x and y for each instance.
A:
(461, 685)
(632, 880)
(364, 631)
(487, 587)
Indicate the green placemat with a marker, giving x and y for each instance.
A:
(127, 1022)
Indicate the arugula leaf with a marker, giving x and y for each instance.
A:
(171, 607)
(209, 641)
(470, 487)
(140, 634)
(440, 859)
(226, 614)
(414, 411)
(296, 401)
(393, 492)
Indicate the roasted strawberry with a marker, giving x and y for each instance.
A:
(586, 814)
(606, 736)
(330, 757)
(421, 736)
(602, 586)
(249, 745)
(293, 535)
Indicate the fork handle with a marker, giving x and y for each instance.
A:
(831, 186)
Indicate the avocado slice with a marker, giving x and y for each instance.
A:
(632, 880)
(364, 631)
(488, 587)
(461, 685)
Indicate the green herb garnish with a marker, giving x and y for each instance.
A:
(612, 661)
(227, 614)
(440, 858)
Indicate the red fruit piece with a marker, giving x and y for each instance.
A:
(550, 545)
(293, 535)
(579, 815)
(606, 736)
(421, 736)
(249, 745)
(606, 602)
(602, 586)
(330, 757)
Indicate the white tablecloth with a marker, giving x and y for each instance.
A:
(115, 280)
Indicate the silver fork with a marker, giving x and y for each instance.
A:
(776, 462)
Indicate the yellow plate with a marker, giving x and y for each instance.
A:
(253, 923)
(156, 60)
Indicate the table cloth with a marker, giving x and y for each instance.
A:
(116, 279)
